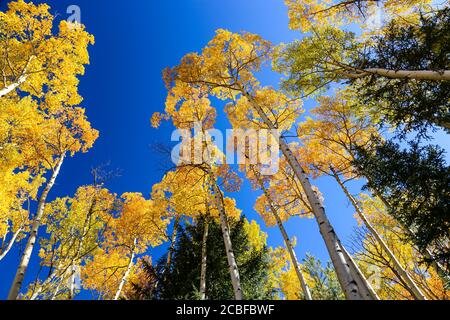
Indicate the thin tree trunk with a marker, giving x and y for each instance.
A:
(75, 257)
(20, 80)
(344, 270)
(173, 239)
(25, 260)
(232, 265)
(55, 293)
(414, 289)
(426, 252)
(203, 260)
(127, 273)
(287, 241)
(72, 281)
(11, 242)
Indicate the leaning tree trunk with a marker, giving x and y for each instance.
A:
(11, 242)
(425, 252)
(203, 260)
(410, 74)
(232, 265)
(127, 273)
(345, 271)
(25, 260)
(287, 241)
(55, 293)
(413, 288)
(22, 78)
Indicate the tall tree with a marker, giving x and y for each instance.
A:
(190, 110)
(75, 228)
(394, 72)
(414, 185)
(305, 15)
(181, 281)
(36, 59)
(140, 225)
(45, 67)
(371, 255)
(225, 69)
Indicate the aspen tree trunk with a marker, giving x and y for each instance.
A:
(20, 80)
(426, 252)
(11, 242)
(344, 270)
(414, 289)
(203, 261)
(72, 282)
(232, 265)
(12, 86)
(173, 239)
(127, 273)
(25, 260)
(78, 254)
(411, 74)
(55, 293)
(287, 241)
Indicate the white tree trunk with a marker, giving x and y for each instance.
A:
(413, 288)
(11, 242)
(26, 256)
(72, 281)
(127, 273)
(287, 241)
(426, 253)
(56, 291)
(12, 86)
(203, 260)
(173, 239)
(232, 265)
(22, 78)
(344, 269)
(411, 74)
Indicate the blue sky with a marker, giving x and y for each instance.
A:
(135, 41)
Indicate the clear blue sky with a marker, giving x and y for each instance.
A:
(122, 87)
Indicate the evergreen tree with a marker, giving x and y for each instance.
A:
(323, 281)
(181, 280)
(410, 103)
(414, 184)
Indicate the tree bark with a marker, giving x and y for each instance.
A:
(22, 78)
(127, 273)
(173, 239)
(55, 293)
(410, 74)
(232, 265)
(287, 241)
(344, 269)
(203, 260)
(11, 242)
(72, 282)
(414, 289)
(426, 252)
(26, 256)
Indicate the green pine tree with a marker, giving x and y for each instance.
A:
(182, 279)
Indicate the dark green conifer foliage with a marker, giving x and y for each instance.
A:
(182, 279)
(415, 182)
(408, 103)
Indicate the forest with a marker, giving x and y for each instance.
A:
(377, 75)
